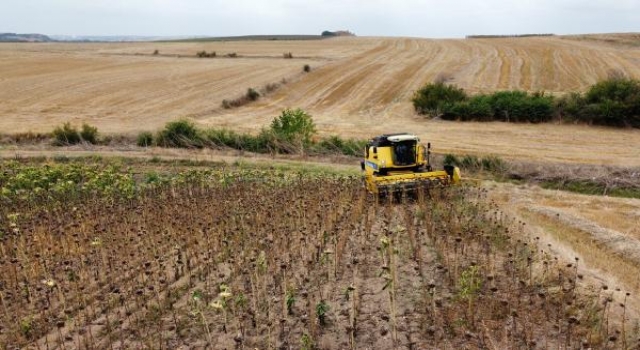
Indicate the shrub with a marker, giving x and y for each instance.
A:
(571, 107)
(294, 126)
(614, 102)
(181, 133)
(493, 164)
(252, 94)
(287, 55)
(306, 68)
(66, 135)
(145, 139)
(470, 162)
(432, 98)
(271, 87)
(205, 54)
(89, 133)
(156, 52)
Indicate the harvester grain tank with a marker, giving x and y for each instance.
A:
(398, 163)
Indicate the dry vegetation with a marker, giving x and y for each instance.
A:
(252, 259)
(357, 87)
(603, 231)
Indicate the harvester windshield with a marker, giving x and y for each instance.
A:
(404, 153)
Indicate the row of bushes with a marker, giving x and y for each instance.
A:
(69, 135)
(213, 54)
(613, 102)
(253, 95)
(250, 96)
(293, 132)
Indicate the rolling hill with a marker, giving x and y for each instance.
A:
(356, 87)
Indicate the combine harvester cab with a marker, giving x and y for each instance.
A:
(397, 164)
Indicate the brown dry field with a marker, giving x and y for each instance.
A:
(603, 232)
(358, 87)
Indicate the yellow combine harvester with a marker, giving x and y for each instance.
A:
(398, 163)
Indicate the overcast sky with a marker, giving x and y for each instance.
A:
(418, 18)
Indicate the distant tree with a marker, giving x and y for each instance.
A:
(294, 126)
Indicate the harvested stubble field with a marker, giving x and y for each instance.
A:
(357, 87)
(237, 258)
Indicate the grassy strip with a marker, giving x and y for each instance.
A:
(614, 183)
(591, 188)
(291, 133)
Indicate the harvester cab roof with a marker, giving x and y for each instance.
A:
(389, 139)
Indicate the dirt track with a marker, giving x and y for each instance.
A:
(357, 87)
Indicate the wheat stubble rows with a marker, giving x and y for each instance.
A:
(357, 87)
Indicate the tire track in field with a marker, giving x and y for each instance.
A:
(401, 84)
(506, 58)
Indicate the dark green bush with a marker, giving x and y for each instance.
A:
(616, 89)
(509, 106)
(571, 107)
(432, 98)
(477, 108)
(181, 133)
(614, 102)
(519, 106)
(145, 139)
(306, 68)
(66, 135)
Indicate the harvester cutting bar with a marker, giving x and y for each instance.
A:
(407, 182)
